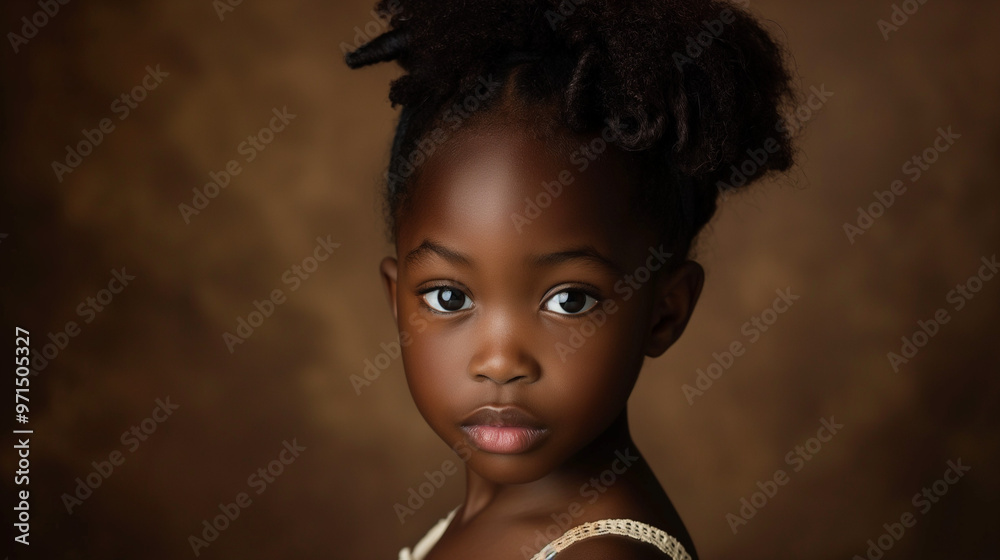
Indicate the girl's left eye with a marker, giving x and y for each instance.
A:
(570, 302)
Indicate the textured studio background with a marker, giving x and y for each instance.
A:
(162, 335)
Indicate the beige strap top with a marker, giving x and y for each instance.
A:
(624, 527)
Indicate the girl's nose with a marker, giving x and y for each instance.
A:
(503, 358)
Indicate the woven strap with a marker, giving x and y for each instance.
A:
(624, 527)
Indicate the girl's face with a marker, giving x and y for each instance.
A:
(523, 331)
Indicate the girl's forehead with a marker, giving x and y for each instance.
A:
(495, 166)
(510, 191)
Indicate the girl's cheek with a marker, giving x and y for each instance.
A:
(435, 359)
(415, 324)
(601, 338)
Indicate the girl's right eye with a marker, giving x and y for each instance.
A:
(446, 299)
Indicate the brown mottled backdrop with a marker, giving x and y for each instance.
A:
(162, 335)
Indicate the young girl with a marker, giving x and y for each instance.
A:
(551, 168)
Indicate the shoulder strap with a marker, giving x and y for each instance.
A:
(425, 544)
(624, 527)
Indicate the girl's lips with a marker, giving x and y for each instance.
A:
(504, 439)
(503, 429)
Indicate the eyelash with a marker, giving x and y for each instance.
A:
(588, 290)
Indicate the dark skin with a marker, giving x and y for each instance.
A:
(487, 328)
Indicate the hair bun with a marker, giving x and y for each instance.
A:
(691, 86)
(385, 47)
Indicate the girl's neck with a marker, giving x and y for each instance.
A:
(561, 486)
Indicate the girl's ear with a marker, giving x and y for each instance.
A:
(676, 295)
(388, 270)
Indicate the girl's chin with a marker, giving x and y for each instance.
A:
(510, 469)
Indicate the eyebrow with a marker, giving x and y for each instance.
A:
(429, 247)
(582, 252)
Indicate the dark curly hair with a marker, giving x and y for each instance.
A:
(695, 88)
